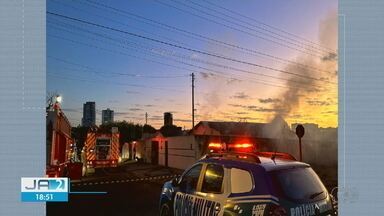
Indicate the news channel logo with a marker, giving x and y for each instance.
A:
(44, 189)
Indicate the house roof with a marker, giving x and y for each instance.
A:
(229, 128)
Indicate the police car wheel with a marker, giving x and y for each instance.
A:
(165, 210)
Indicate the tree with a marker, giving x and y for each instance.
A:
(148, 129)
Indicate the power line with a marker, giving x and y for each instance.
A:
(246, 27)
(166, 52)
(217, 73)
(121, 74)
(238, 29)
(126, 54)
(206, 62)
(184, 48)
(57, 75)
(118, 22)
(267, 25)
(300, 41)
(197, 36)
(182, 62)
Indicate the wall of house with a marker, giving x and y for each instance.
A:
(181, 152)
(315, 152)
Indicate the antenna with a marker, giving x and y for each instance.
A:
(273, 157)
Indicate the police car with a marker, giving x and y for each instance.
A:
(260, 183)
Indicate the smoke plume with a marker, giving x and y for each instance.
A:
(324, 69)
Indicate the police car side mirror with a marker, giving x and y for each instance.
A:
(175, 181)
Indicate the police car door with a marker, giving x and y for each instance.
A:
(187, 190)
(209, 195)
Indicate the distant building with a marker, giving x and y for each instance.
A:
(168, 119)
(89, 114)
(107, 116)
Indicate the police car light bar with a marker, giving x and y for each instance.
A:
(215, 145)
(233, 155)
(280, 155)
(243, 145)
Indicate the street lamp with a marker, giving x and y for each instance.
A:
(59, 98)
(53, 101)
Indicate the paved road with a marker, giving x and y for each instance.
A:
(132, 190)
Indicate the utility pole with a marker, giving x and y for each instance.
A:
(146, 118)
(193, 100)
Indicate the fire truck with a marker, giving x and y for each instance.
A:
(100, 149)
(61, 150)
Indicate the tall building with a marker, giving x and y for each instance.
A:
(106, 116)
(168, 119)
(89, 114)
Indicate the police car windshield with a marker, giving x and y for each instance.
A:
(299, 184)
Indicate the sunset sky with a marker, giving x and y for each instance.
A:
(252, 59)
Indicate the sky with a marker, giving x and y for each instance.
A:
(252, 60)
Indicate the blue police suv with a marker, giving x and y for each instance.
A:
(255, 184)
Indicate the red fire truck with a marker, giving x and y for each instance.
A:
(61, 153)
(100, 149)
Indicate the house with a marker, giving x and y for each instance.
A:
(182, 151)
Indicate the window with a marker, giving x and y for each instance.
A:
(102, 148)
(189, 181)
(299, 184)
(241, 181)
(213, 179)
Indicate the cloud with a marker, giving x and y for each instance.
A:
(296, 116)
(330, 112)
(330, 57)
(232, 80)
(75, 110)
(255, 108)
(135, 109)
(241, 113)
(206, 75)
(269, 100)
(144, 105)
(263, 109)
(156, 117)
(183, 120)
(241, 95)
(236, 105)
(122, 113)
(315, 102)
(253, 119)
